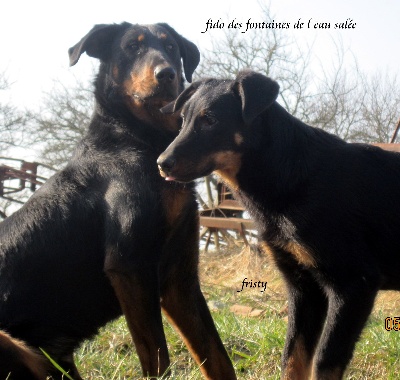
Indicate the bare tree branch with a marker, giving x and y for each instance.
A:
(342, 100)
(270, 52)
(61, 122)
(12, 120)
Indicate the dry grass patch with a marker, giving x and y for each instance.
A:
(254, 343)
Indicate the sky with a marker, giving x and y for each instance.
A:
(35, 35)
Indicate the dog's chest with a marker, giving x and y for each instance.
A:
(298, 250)
(279, 236)
(175, 202)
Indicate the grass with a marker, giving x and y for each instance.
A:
(254, 343)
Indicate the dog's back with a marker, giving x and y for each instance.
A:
(52, 284)
(363, 182)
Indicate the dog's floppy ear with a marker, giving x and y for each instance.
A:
(257, 92)
(184, 96)
(97, 43)
(189, 52)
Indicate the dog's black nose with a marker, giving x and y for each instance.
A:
(164, 74)
(166, 164)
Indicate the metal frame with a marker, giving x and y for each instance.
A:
(18, 175)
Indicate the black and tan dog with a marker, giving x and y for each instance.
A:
(327, 211)
(107, 235)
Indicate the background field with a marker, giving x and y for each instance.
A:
(253, 342)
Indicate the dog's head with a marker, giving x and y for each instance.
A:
(217, 115)
(140, 64)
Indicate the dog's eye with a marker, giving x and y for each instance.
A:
(135, 48)
(210, 120)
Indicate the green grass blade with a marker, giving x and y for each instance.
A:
(56, 365)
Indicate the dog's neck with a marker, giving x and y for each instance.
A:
(131, 111)
(148, 112)
(279, 157)
(127, 132)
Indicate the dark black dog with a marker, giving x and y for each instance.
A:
(327, 211)
(107, 235)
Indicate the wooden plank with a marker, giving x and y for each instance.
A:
(231, 204)
(392, 147)
(226, 223)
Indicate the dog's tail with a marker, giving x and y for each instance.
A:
(18, 361)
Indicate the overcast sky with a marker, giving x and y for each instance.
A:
(35, 35)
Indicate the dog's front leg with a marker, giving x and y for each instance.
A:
(186, 309)
(138, 294)
(351, 299)
(184, 304)
(307, 312)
